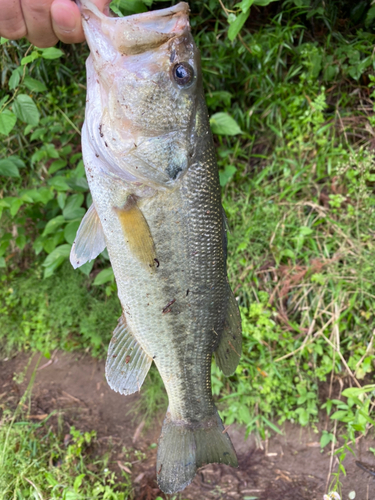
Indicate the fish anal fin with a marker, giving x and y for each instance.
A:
(137, 232)
(89, 241)
(228, 351)
(127, 363)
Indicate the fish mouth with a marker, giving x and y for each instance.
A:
(138, 33)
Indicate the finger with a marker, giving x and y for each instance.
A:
(66, 21)
(12, 24)
(38, 21)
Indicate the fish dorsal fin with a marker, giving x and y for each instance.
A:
(137, 232)
(228, 352)
(127, 363)
(89, 242)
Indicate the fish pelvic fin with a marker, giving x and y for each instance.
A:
(137, 232)
(127, 363)
(184, 448)
(228, 351)
(89, 241)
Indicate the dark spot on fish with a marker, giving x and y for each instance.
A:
(226, 453)
(160, 469)
(135, 145)
(100, 130)
(97, 51)
(167, 307)
(106, 145)
(173, 171)
(114, 356)
(157, 262)
(127, 359)
(187, 292)
(153, 357)
(97, 81)
(77, 260)
(173, 55)
(96, 154)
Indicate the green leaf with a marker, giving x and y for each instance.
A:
(263, 3)
(245, 5)
(2, 262)
(237, 24)
(78, 184)
(34, 85)
(78, 481)
(57, 165)
(72, 209)
(55, 259)
(338, 415)
(14, 80)
(70, 231)
(223, 124)
(8, 168)
(38, 245)
(303, 416)
(21, 241)
(25, 109)
(104, 276)
(51, 53)
(30, 58)
(53, 224)
(15, 205)
(59, 183)
(87, 267)
(7, 121)
(4, 246)
(326, 438)
(71, 495)
(50, 150)
(39, 132)
(271, 425)
(227, 175)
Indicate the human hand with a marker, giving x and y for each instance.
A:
(43, 22)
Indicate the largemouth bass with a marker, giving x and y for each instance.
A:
(150, 164)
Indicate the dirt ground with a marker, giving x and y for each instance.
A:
(287, 467)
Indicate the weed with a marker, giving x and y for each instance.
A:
(61, 312)
(35, 461)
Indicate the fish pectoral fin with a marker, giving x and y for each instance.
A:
(228, 352)
(127, 363)
(90, 241)
(137, 232)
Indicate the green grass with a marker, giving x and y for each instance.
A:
(38, 460)
(61, 312)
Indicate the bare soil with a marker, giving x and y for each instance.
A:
(287, 467)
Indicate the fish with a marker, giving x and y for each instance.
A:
(151, 168)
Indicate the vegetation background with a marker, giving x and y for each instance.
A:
(290, 91)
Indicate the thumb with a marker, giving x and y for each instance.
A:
(66, 19)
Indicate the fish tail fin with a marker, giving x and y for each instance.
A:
(183, 448)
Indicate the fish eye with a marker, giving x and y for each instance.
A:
(183, 74)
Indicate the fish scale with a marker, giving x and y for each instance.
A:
(159, 214)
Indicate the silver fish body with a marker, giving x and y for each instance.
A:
(151, 168)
